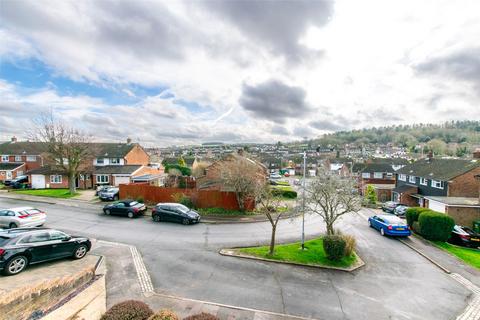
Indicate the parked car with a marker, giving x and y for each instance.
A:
(275, 176)
(464, 236)
(400, 210)
(22, 217)
(17, 181)
(390, 225)
(102, 188)
(109, 194)
(24, 246)
(174, 212)
(127, 208)
(390, 206)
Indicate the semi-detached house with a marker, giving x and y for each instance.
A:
(450, 186)
(16, 158)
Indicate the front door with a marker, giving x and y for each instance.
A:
(9, 175)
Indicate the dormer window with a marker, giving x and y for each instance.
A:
(412, 179)
(115, 160)
(99, 160)
(5, 158)
(437, 184)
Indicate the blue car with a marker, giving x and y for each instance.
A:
(389, 225)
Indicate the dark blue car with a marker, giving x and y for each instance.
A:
(389, 225)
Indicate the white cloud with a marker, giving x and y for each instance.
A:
(367, 75)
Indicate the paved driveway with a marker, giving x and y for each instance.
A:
(396, 283)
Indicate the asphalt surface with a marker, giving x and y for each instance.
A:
(396, 282)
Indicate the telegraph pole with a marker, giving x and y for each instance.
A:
(303, 199)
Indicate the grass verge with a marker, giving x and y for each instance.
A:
(53, 193)
(467, 255)
(313, 255)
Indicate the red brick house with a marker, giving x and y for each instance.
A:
(32, 154)
(445, 185)
(11, 170)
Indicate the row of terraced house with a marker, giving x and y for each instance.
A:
(109, 164)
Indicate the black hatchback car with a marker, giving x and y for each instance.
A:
(127, 208)
(464, 236)
(174, 212)
(23, 246)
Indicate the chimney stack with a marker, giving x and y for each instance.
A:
(14, 139)
(476, 153)
(129, 140)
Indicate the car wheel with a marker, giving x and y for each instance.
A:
(80, 252)
(382, 232)
(15, 265)
(12, 225)
(107, 212)
(157, 218)
(130, 214)
(185, 221)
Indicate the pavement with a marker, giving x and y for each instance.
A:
(186, 271)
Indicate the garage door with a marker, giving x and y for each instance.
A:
(38, 181)
(436, 206)
(121, 180)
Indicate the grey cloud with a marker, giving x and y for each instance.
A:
(328, 125)
(303, 132)
(463, 65)
(278, 24)
(280, 130)
(98, 119)
(274, 100)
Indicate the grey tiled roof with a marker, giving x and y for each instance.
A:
(439, 169)
(10, 165)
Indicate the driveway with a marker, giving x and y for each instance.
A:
(396, 282)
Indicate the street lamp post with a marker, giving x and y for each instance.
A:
(303, 199)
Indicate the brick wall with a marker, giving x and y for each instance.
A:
(465, 185)
(62, 185)
(137, 156)
(464, 216)
(29, 165)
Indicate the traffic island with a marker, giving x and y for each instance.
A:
(313, 256)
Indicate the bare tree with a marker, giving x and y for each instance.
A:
(270, 206)
(241, 175)
(331, 196)
(67, 147)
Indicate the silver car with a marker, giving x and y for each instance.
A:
(22, 217)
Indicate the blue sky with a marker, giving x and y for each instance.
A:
(189, 72)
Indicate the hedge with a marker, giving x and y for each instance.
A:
(290, 194)
(334, 247)
(412, 214)
(128, 310)
(184, 170)
(435, 226)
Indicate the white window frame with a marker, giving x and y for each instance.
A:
(102, 161)
(435, 183)
(99, 178)
(402, 177)
(424, 182)
(5, 158)
(378, 175)
(115, 161)
(366, 175)
(412, 179)
(18, 158)
(56, 178)
(31, 158)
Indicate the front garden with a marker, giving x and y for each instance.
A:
(52, 193)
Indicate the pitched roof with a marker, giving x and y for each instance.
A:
(439, 169)
(25, 147)
(405, 187)
(10, 165)
(112, 150)
(377, 167)
(47, 170)
(126, 169)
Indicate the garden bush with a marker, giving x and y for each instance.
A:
(370, 195)
(184, 170)
(290, 194)
(435, 226)
(202, 316)
(140, 199)
(334, 247)
(128, 310)
(412, 214)
(416, 227)
(164, 314)
(186, 201)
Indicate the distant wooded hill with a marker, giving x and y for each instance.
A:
(451, 138)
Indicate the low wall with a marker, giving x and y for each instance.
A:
(31, 297)
(201, 198)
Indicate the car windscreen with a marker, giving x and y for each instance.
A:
(3, 240)
(133, 203)
(182, 209)
(112, 190)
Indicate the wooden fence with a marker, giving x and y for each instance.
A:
(200, 198)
